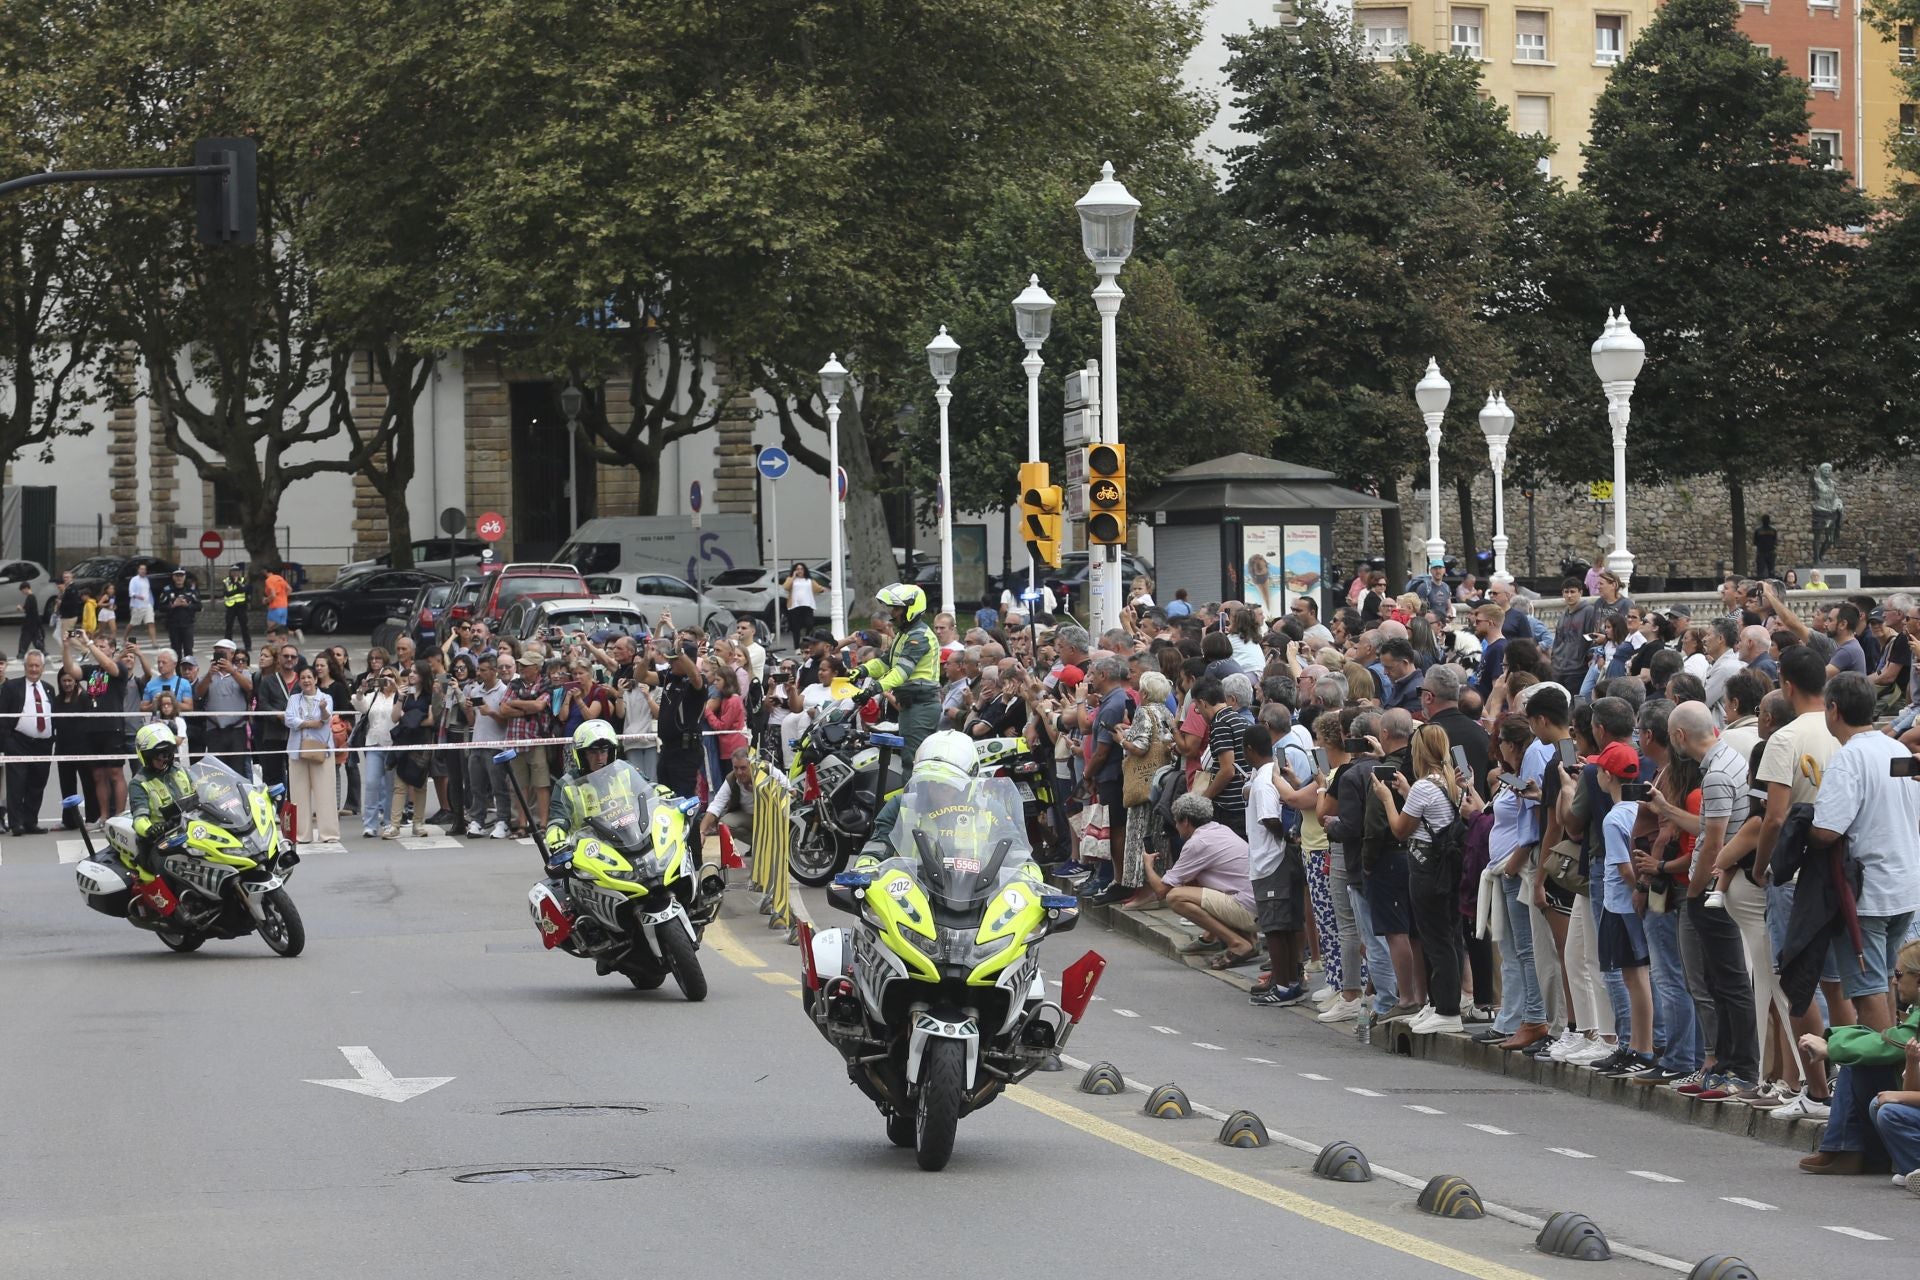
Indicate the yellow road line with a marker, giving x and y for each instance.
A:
(778, 977)
(1291, 1201)
(730, 948)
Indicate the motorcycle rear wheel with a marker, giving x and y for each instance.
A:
(815, 858)
(677, 948)
(942, 1087)
(280, 927)
(181, 942)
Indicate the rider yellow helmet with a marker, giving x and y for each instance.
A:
(904, 595)
(151, 741)
(592, 733)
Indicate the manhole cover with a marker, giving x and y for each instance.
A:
(548, 1175)
(577, 1109)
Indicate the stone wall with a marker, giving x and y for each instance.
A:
(370, 534)
(1685, 523)
(489, 443)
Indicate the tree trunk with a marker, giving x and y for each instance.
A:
(1737, 505)
(391, 482)
(867, 541)
(258, 510)
(1464, 487)
(1393, 530)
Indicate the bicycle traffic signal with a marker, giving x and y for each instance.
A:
(1040, 518)
(1107, 495)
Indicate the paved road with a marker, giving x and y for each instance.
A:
(159, 1117)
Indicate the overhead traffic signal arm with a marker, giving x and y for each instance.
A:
(1107, 495)
(1040, 513)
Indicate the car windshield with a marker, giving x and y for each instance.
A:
(355, 580)
(618, 802)
(962, 843)
(592, 557)
(98, 567)
(736, 578)
(591, 620)
(222, 794)
(534, 584)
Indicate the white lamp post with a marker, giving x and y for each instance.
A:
(1618, 355)
(1431, 393)
(1107, 213)
(571, 398)
(943, 357)
(1496, 421)
(1033, 321)
(833, 383)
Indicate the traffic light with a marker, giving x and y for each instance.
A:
(226, 205)
(1040, 518)
(1107, 495)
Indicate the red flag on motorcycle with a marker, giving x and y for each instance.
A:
(158, 896)
(1078, 982)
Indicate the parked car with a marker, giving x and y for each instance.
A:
(356, 601)
(756, 593)
(656, 593)
(430, 554)
(1069, 581)
(529, 619)
(419, 619)
(12, 574)
(528, 579)
(460, 606)
(97, 571)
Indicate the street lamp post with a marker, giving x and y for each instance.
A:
(1431, 393)
(1033, 320)
(943, 357)
(833, 383)
(1107, 213)
(1496, 421)
(571, 398)
(1618, 355)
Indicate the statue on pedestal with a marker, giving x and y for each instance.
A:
(1827, 508)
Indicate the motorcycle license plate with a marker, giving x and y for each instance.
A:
(1026, 792)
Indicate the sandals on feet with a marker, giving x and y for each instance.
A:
(1228, 960)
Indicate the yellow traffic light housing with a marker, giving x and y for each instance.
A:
(1040, 514)
(1107, 495)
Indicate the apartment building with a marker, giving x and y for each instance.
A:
(1545, 63)
(1885, 108)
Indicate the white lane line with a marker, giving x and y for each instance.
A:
(1745, 1203)
(1126, 1013)
(1202, 1044)
(1308, 1075)
(1365, 1093)
(1265, 1062)
(1487, 1128)
(1855, 1232)
(1425, 1111)
(70, 851)
(1167, 1031)
(1570, 1153)
(1651, 1176)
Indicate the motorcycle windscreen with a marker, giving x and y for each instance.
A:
(221, 794)
(619, 804)
(965, 841)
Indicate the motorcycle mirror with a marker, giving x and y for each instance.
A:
(504, 756)
(1059, 901)
(72, 802)
(278, 790)
(853, 879)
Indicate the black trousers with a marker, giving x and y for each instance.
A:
(680, 770)
(76, 779)
(273, 762)
(180, 630)
(1436, 917)
(237, 616)
(231, 746)
(26, 783)
(1723, 970)
(1480, 956)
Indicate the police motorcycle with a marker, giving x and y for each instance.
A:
(223, 866)
(1013, 759)
(934, 996)
(626, 890)
(842, 773)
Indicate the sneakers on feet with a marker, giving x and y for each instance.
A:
(1570, 1041)
(1723, 1089)
(475, 831)
(499, 831)
(1276, 997)
(1802, 1107)
(1599, 1051)
(1434, 1022)
(1341, 1010)
(1645, 1071)
(1406, 1012)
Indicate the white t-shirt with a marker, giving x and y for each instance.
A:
(1010, 603)
(1264, 848)
(1797, 755)
(800, 594)
(757, 660)
(1880, 816)
(485, 729)
(1427, 802)
(815, 695)
(140, 592)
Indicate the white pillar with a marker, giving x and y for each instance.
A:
(1032, 364)
(1498, 455)
(1620, 560)
(944, 395)
(1436, 545)
(834, 515)
(1107, 577)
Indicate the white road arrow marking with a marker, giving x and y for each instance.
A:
(376, 1081)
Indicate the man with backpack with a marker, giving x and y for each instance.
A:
(1278, 872)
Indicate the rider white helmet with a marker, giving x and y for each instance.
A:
(950, 748)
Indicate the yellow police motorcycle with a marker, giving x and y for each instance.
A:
(224, 866)
(934, 997)
(626, 891)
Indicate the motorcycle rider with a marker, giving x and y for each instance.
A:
(911, 668)
(595, 746)
(160, 790)
(948, 758)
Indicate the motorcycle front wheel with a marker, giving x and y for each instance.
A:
(645, 980)
(814, 858)
(900, 1130)
(182, 942)
(280, 926)
(941, 1089)
(677, 949)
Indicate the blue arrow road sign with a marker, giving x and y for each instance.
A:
(774, 463)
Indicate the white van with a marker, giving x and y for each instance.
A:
(664, 544)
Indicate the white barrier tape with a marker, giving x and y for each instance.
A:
(492, 748)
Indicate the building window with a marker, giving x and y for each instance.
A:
(1826, 147)
(1533, 113)
(1823, 69)
(1530, 36)
(226, 507)
(1765, 48)
(1467, 25)
(1909, 120)
(1906, 44)
(1609, 38)
(1383, 31)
